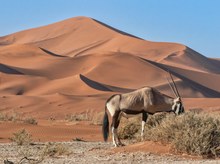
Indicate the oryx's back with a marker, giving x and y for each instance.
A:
(135, 100)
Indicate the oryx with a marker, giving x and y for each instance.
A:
(146, 100)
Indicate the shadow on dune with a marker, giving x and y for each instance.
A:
(114, 29)
(50, 53)
(9, 70)
(216, 61)
(209, 64)
(103, 87)
(207, 92)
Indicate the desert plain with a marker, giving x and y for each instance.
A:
(61, 75)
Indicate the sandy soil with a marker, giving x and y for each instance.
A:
(47, 131)
(89, 152)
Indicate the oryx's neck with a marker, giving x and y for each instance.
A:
(169, 100)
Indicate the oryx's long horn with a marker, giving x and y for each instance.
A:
(174, 85)
(171, 87)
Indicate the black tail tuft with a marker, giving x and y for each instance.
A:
(105, 126)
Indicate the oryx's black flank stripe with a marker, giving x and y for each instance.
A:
(130, 111)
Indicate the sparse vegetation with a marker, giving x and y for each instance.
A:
(16, 117)
(86, 116)
(30, 121)
(53, 150)
(193, 132)
(2, 117)
(10, 117)
(22, 137)
(95, 118)
(78, 117)
(130, 130)
(37, 153)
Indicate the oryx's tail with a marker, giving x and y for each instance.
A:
(105, 125)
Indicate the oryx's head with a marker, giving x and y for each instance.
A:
(177, 106)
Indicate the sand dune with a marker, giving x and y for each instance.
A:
(57, 54)
(192, 60)
(74, 65)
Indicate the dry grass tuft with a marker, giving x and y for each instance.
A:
(30, 121)
(22, 137)
(86, 116)
(129, 130)
(193, 132)
(16, 117)
(94, 118)
(54, 150)
(10, 117)
(97, 118)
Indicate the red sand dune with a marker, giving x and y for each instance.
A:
(74, 65)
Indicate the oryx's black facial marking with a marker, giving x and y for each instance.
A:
(130, 111)
(178, 108)
(175, 107)
(181, 108)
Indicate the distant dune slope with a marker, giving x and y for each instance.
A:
(82, 56)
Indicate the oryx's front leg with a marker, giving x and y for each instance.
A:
(144, 119)
(115, 123)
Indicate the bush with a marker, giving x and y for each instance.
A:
(30, 121)
(129, 130)
(53, 150)
(94, 118)
(192, 132)
(86, 116)
(21, 137)
(97, 118)
(12, 117)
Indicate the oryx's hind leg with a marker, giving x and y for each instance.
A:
(115, 124)
(119, 140)
(144, 119)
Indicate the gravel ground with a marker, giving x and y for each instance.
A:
(83, 152)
